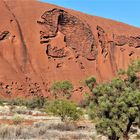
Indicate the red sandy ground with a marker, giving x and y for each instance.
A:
(10, 122)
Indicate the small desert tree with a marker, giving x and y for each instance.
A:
(90, 82)
(116, 104)
(65, 109)
(62, 89)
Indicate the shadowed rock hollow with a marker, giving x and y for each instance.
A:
(42, 43)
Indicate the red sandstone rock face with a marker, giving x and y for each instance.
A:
(42, 43)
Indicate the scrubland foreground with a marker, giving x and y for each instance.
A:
(19, 122)
(111, 111)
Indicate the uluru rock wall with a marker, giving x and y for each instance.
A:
(42, 43)
(57, 20)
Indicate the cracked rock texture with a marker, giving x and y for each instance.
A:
(42, 43)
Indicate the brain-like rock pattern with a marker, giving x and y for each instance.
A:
(72, 28)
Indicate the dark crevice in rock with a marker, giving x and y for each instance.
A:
(102, 40)
(112, 58)
(59, 65)
(24, 48)
(4, 35)
(44, 42)
(137, 47)
(131, 53)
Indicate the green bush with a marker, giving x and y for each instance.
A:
(116, 105)
(37, 102)
(65, 109)
(2, 102)
(85, 101)
(17, 102)
(17, 119)
(90, 81)
(62, 89)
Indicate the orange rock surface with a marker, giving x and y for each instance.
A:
(42, 43)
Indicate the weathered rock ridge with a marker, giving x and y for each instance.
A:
(58, 20)
(42, 43)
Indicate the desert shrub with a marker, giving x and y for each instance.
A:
(2, 102)
(121, 72)
(65, 109)
(90, 81)
(39, 124)
(62, 89)
(85, 101)
(17, 119)
(63, 126)
(116, 105)
(4, 110)
(19, 110)
(37, 102)
(17, 102)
